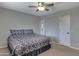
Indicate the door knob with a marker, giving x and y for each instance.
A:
(68, 33)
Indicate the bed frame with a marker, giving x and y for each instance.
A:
(33, 53)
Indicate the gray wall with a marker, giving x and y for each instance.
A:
(75, 28)
(16, 20)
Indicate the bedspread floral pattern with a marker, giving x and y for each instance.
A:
(25, 43)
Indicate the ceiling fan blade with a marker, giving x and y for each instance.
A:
(37, 10)
(32, 6)
(50, 4)
(47, 9)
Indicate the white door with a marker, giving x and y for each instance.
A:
(64, 30)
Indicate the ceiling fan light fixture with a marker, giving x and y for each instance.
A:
(39, 4)
(41, 8)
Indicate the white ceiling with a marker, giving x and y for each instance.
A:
(23, 7)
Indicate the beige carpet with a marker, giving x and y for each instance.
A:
(4, 52)
(59, 50)
(56, 50)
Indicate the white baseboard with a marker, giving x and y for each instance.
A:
(74, 47)
(68, 46)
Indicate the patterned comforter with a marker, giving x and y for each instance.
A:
(26, 43)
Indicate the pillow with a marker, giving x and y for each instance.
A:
(28, 31)
(17, 31)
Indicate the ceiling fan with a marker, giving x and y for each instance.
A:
(42, 6)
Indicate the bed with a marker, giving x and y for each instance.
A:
(26, 43)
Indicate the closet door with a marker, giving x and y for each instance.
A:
(64, 30)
